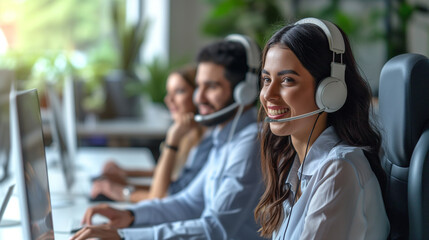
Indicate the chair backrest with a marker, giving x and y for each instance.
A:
(404, 118)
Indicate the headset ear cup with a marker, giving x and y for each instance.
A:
(246, 92)
(331, 94)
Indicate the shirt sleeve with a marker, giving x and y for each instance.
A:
(148, 215)
(234, 198)
(186, 204)
(334, 202)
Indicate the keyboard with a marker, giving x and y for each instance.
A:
(75, 224)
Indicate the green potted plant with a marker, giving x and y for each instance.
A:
(155, 77)
(128, 38)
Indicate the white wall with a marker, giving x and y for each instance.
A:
(156, 43)
(418, 34)
(3, 42)
(174, 30)
(186, 17)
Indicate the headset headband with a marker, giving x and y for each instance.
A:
(252, 51)
(335, 38)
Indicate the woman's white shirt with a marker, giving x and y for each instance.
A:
(341, 196)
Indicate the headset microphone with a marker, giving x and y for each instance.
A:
(267, 119)
(216, 117)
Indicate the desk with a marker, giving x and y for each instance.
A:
(123, 128)
(153, 125)
(147, 131)
(61, 218)
(89, 161)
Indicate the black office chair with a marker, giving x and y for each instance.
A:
(404, 118)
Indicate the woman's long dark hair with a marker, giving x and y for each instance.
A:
(351, 122)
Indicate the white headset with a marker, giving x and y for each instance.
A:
(247, 91)
(331, 93)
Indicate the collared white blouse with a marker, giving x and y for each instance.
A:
(341, 196)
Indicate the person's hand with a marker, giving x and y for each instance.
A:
(118, 218)
(182, 124)
(116, 178)
(114, 173)
(104, 231)
(112, 168)
(110, 189)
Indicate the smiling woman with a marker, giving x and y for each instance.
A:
(317, 168)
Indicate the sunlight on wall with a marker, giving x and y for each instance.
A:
(156, 45)
(3, 42)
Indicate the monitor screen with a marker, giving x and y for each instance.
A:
(59, 135)
(4, 136)
(6, 78)
(32, 177)
(70, 115)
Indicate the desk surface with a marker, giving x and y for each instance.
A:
(126, 128)
(153, 125)
(62, 218)
(88, 164)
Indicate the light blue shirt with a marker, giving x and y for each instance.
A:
(341, 196)
(219, 202)
(196, 160)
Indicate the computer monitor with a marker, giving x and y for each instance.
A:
(32, 175)
(59, 136)
(4, 136)
(70, 115)
(6, 79)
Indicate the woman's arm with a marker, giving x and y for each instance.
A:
(177, 135)
(162, 174)
(139, 173)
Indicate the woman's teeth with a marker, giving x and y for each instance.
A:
(274, 112)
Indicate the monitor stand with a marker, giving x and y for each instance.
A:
(61, 200)
(9, 223)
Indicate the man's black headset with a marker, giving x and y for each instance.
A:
(246, 91)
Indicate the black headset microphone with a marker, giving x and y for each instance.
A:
(216, 116)
(246, 91)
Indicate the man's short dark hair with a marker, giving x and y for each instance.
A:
(229, 54)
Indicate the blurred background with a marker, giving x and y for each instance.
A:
(118, 53)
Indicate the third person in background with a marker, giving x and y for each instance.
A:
(183, 153)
